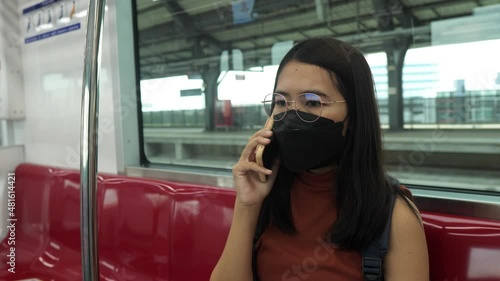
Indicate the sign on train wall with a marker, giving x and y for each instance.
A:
(52, 18)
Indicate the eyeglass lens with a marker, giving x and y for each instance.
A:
(310, 103)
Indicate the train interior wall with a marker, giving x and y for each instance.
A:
(50, 75)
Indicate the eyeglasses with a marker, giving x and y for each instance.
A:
(276, 106)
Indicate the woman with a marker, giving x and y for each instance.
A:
(327, 198)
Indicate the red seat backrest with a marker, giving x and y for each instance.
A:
(201, 220)
(462, 248)
(135, 228)
(158, 230)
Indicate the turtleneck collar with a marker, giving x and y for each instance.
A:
(320, 181)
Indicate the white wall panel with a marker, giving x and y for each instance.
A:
(53, 69)
(11, 83)
(10, 157)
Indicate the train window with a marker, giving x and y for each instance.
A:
(378, 66)
(445, 88)
(205, 67)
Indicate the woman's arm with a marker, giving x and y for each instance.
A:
(407, 258)
(236, 260)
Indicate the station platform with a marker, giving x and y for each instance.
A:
(460, 158)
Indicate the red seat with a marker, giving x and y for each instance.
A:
(157, 230)
(462, 248)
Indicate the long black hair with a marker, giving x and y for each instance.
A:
(363, 190)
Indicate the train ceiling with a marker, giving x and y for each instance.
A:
(187, 36)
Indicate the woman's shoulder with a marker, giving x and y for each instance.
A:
(404, 205)
(407, 255)
(405, 210)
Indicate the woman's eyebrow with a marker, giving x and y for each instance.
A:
(282, 93)
(313, 91)
(317, 92)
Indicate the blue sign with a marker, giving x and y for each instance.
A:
(242, 11)
(39, 6)
(53, 33)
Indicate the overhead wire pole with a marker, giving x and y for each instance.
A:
(88, 143)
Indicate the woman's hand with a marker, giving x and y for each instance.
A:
(250, 190)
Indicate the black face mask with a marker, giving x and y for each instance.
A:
(305, 146)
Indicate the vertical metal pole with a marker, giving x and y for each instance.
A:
(88, 145)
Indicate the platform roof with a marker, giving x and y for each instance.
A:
(184, 36)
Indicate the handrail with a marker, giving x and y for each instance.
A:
(88, 145)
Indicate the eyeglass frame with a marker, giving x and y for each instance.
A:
(295, 107)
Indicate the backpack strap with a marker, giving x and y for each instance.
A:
(371, 264)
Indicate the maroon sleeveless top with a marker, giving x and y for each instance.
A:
(305, 255)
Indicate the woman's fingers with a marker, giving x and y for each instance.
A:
(262, 139)
(242, 168)
(247, 172)
(263, 132)
(275, 169)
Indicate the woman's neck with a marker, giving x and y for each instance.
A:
(323, 169)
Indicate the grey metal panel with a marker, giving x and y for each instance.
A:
(458, 203)
(126, 98)
(447, 201)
